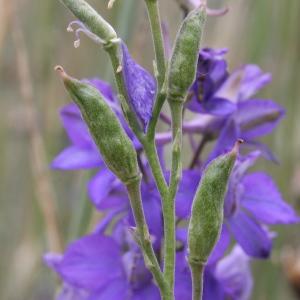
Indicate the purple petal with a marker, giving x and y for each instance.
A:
(213, 54)
(252, 237)
(212, 288)
(106, 221)
(75, 127)
(230, 89)
(181, 234)
(235, 274)
(186, 192)
(183, 283)
(104, 88)
(265, 151)
(258, 117)
(141, 88)
(218, 72)
(228, 136)
(71, 293)
(149, 292)
(220, 247)
(101, 188)
(74, 158)
(91, 262)
(136, 271)
(262, 198)
(114, 290)
(243, 83)
(245, 162)
(52, 260)
(253, 80)
(218, 106)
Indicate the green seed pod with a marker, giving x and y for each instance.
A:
(115, 146)
(91, 19)
(207, 210)
(183, 64)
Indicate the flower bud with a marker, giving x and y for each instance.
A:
(183, 64)
(207, 210)
(115, 146)
(91, 19)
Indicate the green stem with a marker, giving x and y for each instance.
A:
(159, 102)
(197, 269)
(160, 59)
(152, 156)
(176, 170)
(143, 238)
(155, 23)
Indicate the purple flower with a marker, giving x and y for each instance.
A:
(141, 88)
(97, 267)
(186, 191)
(228, 98)
(211, 74)
(252, 202)
(252, 119)
(231, 277)
(218, 93)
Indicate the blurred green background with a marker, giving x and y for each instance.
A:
(33, 39)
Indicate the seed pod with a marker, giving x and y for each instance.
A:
(207, 210)
(91, 19)
(183, 64)
(115, 146)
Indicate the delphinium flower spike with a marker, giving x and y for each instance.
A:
(117, 135)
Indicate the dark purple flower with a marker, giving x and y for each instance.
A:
(211, 74)
(218, 93)
(141, 88)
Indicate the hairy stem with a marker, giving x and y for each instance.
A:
(197, 269)
(154, 18)
(143, 238)
(159, 49)
(159, 102)
(176, 171)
